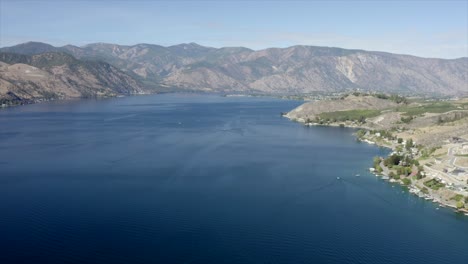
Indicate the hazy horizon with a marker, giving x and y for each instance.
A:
(434, 29)
(187, 43)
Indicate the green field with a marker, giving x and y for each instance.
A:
(438, 107)
(433, 184)
(349, 115)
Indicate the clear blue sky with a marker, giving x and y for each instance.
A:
(422, 28)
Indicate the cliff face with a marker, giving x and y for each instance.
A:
(52, 75)
(297, 69)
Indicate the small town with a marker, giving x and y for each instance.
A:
(428, 139)
(439, 175)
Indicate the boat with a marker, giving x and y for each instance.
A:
(338, 178)
(357, 175)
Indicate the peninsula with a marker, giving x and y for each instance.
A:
(429, 139)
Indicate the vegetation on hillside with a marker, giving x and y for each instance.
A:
(437, 107)
(359, 115)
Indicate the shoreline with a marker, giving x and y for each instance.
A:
(413, 187)
(26, 102)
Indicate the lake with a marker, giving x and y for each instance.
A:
(185, 178)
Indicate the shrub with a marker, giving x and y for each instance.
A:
(457, 197)
(406, 120)
(406, 181)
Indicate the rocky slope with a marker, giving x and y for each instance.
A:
(311, 110)
(293, 70)
(55, 75)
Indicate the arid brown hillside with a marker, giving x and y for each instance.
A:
(311, 110)
(30, 78)
(293, 70)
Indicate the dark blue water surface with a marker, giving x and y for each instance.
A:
(203, 179)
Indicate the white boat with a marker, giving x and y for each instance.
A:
(357, 175)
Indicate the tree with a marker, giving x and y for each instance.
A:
(361, 133)
(406, 119)
(392, 160)
(400, 170)
(362, 119)
(440, 120)
(400, 140)
(409, 144)
(406, 181)
(379, 169)
(408, 171)
(376, 162)
(419, 175)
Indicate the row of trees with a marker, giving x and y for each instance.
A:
(396, 98)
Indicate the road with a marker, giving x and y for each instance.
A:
(453, 158)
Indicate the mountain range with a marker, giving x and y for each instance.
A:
(58, 75)
(183, 67)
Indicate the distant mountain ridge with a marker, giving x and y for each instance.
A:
(292, 70)
(57, 75)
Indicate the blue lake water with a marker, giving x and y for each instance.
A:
(203, 179)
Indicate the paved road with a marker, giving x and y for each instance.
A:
(453, 158)
(385, 171)
(444, 176)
